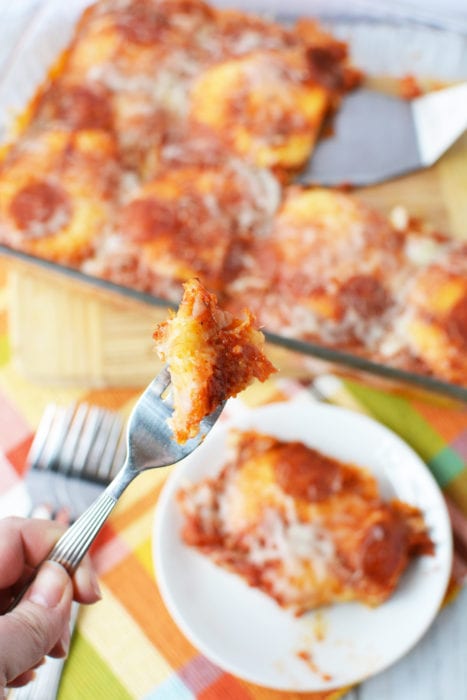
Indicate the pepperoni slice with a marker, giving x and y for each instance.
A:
(143, 219)
(40, 208)
(384, 547)
(305, 473)
(82, 108)
(365, 294)
(456, 323)
(325, 65)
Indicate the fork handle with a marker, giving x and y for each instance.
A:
(76, 541)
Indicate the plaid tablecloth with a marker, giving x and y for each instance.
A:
(127, 647)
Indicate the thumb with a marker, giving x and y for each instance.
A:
(30, 631)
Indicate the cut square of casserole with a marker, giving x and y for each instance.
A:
(305, 528)
(263, 106)
(434, 324)
(57, 189)
(211, 356)
(331, 271)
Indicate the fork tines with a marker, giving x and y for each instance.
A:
(81, 441)
(161, 384)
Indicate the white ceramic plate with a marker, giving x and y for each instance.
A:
(244, 631)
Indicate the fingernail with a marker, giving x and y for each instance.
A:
(86, 578)
(49, 585)
(64, 643)
(95, 584)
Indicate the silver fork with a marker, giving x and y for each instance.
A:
(75, 452)
(149, 445)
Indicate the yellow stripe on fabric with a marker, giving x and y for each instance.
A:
(138, 531)
(30, 398)
(140, 497)
(4, 350)
(144, 555)
(260, 393)
(86, 675)
(124, 647)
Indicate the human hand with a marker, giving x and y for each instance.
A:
(39, 624)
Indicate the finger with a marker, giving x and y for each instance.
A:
(27, 676)
(24, 543)
(23, 679)
(61, 648)
(33, 628)
(85, 583)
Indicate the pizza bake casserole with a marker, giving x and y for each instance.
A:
(164, 146)
(303, 527)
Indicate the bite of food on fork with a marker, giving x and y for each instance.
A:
(211, 356)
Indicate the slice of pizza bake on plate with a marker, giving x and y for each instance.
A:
(305, 528)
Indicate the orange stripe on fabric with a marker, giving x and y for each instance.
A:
(106, 534)
(259, 693)
(138, 593)
(17, 456)
(449, 423)
(226, 687)
(127, 516)
(113, 399)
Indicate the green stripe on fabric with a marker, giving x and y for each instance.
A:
(87, 676)
(446, 465)
(4, 350)
(397, 413)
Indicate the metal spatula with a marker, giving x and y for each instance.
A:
(377, 137)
